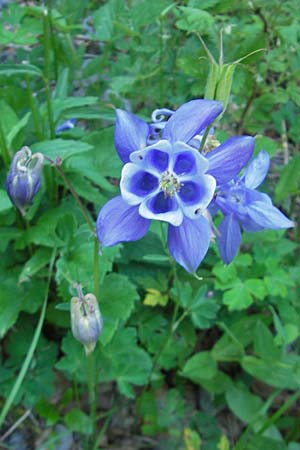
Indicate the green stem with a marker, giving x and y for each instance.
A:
(104, 428)
(47, 50)
(4, 149)
(273, 419)
(268, 422)
(34, 112)
(96, 268)
(27, 361)
(203, 141)
(91, 382)
(173, 326)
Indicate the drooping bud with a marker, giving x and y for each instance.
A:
(24, 178)
(86, 320)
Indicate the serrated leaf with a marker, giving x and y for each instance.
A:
(124, 362)
(256, 287)
(237, 298)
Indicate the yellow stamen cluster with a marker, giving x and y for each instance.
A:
(169, 184)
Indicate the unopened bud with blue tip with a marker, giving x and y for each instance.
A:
(24, 178)
(86, 320)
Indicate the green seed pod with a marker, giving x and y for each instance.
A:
(86, 321)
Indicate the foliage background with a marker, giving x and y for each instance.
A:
(181, 364)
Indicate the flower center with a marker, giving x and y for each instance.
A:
(169, 184)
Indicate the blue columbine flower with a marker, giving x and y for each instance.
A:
(169, 180)
(24, 178)
(243, 206)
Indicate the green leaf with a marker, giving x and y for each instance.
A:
(289, 182)
(78, 421)
(218, 384)
(17, 128)
(124, 362)
(62, 148)
(8, 119)
(77, 262)
(74, 361)
(238, 298)
(9, 70)
(224, 84)
(264, 345)
(8, 234)
(62, 84)
(103, 21)
(118, 296)
(200, 367)
(246, 406)
(60, 105)
(256, 287)
(239, 334)
(195, 19)
(270, 145)
(5, 204)
(278, 283)
(37, 261)
(10, 302)
(283, 374)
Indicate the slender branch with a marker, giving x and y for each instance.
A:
(15, 425)
(56, 164)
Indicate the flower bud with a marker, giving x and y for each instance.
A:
(24, 178)
(86, 320)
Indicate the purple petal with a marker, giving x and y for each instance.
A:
(195, 195)
(130, 134)
(227, 160)
(190, 119)
(188, 243)
(119, 222)
(187, 160)
(268, 216)
(163, 208)
(137, 184)
(255, 196)
(156, 159)
(185, 164)
(257, 170)
(229, 239)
